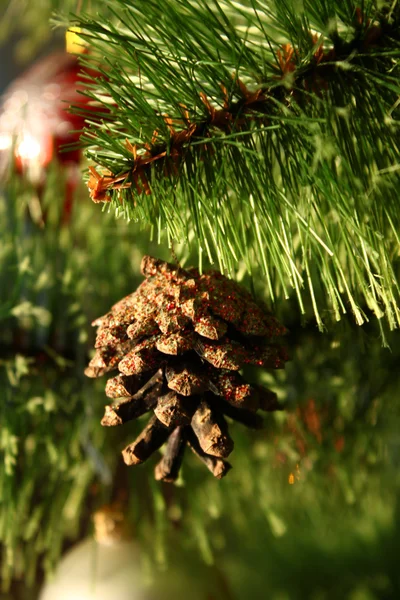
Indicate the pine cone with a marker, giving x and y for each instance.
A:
(179, 342)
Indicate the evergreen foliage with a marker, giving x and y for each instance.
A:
(262, 133)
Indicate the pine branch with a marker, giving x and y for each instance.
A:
(266, 134)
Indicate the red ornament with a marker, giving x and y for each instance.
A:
(36, 122)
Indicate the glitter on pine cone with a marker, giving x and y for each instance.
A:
(178, 343)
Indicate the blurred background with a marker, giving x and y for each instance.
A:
(311, 509)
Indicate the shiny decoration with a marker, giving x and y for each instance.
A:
(74, 43)
(35, 121)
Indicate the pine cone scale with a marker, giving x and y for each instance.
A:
(174, 410)
(185, 381)
(168, 468)
(153, 436)
(211, 431)
(218, 467)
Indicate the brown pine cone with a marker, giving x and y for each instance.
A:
(179, 342)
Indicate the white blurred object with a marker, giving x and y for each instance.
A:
(108, 567)
(29, 148)
(103, 567)
(97, 571)
(5, 141)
